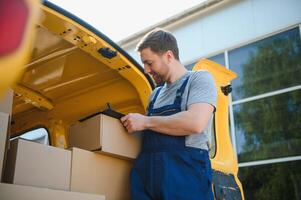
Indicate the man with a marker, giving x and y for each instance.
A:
(174, 162)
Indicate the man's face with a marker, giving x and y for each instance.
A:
(154, 64)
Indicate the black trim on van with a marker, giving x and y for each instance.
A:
(101, 35)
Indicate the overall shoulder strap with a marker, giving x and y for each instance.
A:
(152, 102)
(181, 90)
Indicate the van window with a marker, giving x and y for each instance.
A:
(39, 135)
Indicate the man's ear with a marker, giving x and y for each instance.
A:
(169, 55)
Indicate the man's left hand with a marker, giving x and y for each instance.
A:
(134, 122)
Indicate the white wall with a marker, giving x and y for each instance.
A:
(231, 25)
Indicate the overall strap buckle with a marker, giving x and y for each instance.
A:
(181, 90)
(152, 102)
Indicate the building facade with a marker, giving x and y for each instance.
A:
(261, 41)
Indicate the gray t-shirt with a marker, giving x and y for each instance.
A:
(199, 89)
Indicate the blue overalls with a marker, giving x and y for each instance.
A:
(166, 169)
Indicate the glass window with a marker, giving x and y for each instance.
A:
(220, 59)
(272, 181)
(190, 66)
(39, 135)
(270, 64)
(268, 127)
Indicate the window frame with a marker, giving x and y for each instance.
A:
(231, 103)
(19, 134)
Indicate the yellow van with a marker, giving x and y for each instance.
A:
(75, 71)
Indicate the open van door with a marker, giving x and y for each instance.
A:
(226, 184)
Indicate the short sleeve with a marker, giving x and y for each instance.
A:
(202, 89)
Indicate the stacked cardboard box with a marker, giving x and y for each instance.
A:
(21, 192)
(46, 168)
(106, 172)
(39, 165)
(6, 102)
(33, 167)
(4, 120)
(100, 174)
(33, 164)
(105, 134)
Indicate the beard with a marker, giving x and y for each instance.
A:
(158, 79)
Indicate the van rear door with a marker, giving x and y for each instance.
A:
(226, 184)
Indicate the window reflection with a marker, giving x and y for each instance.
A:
(272, 181)
(270, 64)
(269, 127)
(190, 66)
(220, 59)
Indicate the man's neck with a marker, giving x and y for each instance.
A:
(176, 72)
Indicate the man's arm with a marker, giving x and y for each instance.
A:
(194, 120)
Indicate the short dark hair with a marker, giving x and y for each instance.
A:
(159, 41)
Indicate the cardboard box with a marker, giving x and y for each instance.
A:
(20, 192)
(106, 134)
(34, 164)
(4, 120)
(6, 102)
(100, 174)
